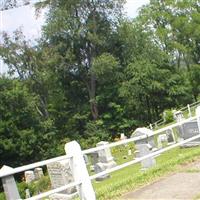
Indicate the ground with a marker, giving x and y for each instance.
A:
(184, 185)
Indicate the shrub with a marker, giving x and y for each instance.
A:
(168, 116)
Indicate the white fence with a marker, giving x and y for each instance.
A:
(188, 110)
(82, 180)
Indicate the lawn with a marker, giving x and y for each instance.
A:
(130, 178)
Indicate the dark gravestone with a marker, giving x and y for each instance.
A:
(189, 130)
(170, 136)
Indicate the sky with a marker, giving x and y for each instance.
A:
(24, 17)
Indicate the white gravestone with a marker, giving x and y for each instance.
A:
(145, 146)
(29, 176)
(105, 161)
(129, 152)
(122, 136)
(28, 195)
(161, 140)
(38, 173)
(104, 154)
(144, 132)
(145, 149)
(178, 116)
(60, 174)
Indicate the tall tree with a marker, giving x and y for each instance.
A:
(81, 30)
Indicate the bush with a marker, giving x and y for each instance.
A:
(168, 116)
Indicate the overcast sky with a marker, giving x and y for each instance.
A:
(25, 17)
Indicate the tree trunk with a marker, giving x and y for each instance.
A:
(92, 94)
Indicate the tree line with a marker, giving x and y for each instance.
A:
(94, 74)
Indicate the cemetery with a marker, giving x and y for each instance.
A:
(105, 157)
(91, 99)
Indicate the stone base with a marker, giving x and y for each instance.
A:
(100, 167)
(104, 177)
(190, 144)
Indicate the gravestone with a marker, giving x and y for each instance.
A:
(104, 160)
(38, 172)
(129, 152)
(86, 159)
(94, 157)
(27, 193)
(94, 160)
(145, 149)
(178, 116)
(100, 167)
(60, 174)
(144, 132)
(29, 176)
(188, 130)
(170, 136)
(145, 146)
(137, 154)
(104, 155)
(122, 136)
(161, 140)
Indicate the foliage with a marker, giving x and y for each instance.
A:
(94, 74)
(168, 116)
(23, 134)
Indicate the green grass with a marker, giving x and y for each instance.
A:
(130, 178)
(2, 196)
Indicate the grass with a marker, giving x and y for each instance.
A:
(197, 197)
(131, 177)
(41, 185)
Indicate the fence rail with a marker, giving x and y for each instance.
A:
(82, 180)
(187, 108)
(34, 165)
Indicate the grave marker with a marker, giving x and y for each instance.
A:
(38, 172)
(60, 174)
(29, 176)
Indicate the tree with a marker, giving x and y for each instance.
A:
(175, 26)
(80, 31)
(23, 134)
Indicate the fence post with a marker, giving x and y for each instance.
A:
(198, 117)
(79, 171)
(189, 110)
(9, 184)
